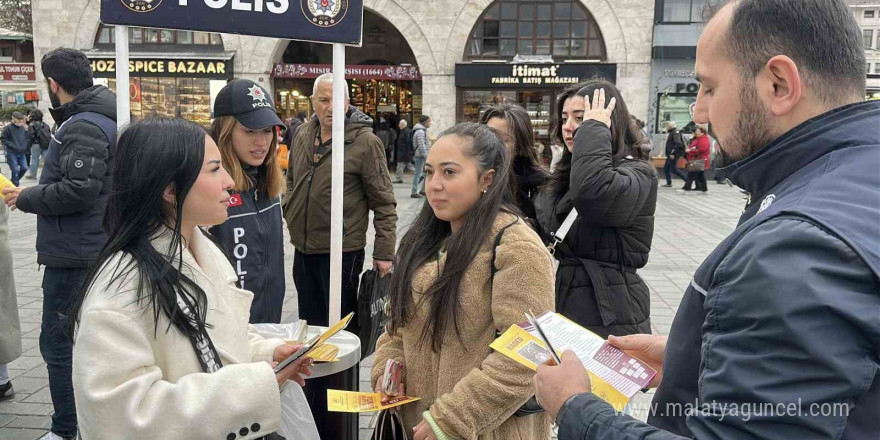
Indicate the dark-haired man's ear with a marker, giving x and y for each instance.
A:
(486, 180)
(53, 85)
(781, 84)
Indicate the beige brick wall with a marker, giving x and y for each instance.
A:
(436, 31)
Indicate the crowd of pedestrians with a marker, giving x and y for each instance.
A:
(153, 273)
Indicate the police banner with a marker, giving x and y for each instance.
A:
(322, 21)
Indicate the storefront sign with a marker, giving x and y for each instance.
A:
(679, 73)
(326, 21)
(687, 87)
(218, 69)
(385, 73)
(529, 75)
(23, 72)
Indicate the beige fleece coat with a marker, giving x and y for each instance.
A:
(471, 390)
(130, 384)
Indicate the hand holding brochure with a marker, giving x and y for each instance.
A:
(615, 376)
(315, 343)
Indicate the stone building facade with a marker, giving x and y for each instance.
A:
(436, 31)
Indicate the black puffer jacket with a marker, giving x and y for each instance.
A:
(528, 180)
(76, 180)
(596, 284)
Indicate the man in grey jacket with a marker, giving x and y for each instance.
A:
(778, 335)
(421, 145)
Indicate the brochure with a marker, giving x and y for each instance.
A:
(316, 343)
(355, 402)
(614, 375)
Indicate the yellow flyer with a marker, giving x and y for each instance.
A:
(355, 402)
(4, 183)
(614, 375)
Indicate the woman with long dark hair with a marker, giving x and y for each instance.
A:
(163, 348)
(254, 235)
(468, 267)
(607, 185)
(513, 125)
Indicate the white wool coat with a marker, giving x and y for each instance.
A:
(132, 384)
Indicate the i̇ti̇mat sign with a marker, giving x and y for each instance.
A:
(324, 21)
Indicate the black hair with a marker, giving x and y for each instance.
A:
(625, 136)
(820, 36)
(36, 115)
(136, 212)
(519, 123)
(69, 68)
(301, 115)
(428, 234)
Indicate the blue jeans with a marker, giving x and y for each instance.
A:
(36, 152)
(670, 167)
(419, 164)
(60, 285)
(18, 165)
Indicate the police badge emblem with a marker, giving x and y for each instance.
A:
(324, 13)
(141, 5)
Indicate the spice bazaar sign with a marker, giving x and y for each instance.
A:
(17, 72)
(311, 71)
(473, 75)
(106, 68)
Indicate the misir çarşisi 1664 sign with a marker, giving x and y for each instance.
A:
(326, 21)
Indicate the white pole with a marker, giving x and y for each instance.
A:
(123, 100)
(338, 162)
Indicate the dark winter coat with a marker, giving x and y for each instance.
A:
(785, 310)
(76, 180)
(528, 180)
(15, 139)
(596, 284)
(674, 144)
(39, 134)
(253, 237)
(367, 188)
(404, 146)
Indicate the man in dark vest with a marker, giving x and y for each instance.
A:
(70, 202)
(778, 334)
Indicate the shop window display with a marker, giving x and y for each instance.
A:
(674, 107)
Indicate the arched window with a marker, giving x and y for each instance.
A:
(563, 29)
(150, 36)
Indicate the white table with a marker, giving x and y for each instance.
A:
(349, 352)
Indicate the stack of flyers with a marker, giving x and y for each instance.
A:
(355, 402)
(615, 376)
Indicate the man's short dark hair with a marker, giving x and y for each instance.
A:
(301, 116)
(69, 68)
(820, 36)
(36, 115)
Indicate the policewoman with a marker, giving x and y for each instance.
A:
(244, 129)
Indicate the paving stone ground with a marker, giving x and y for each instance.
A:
(687, 228)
